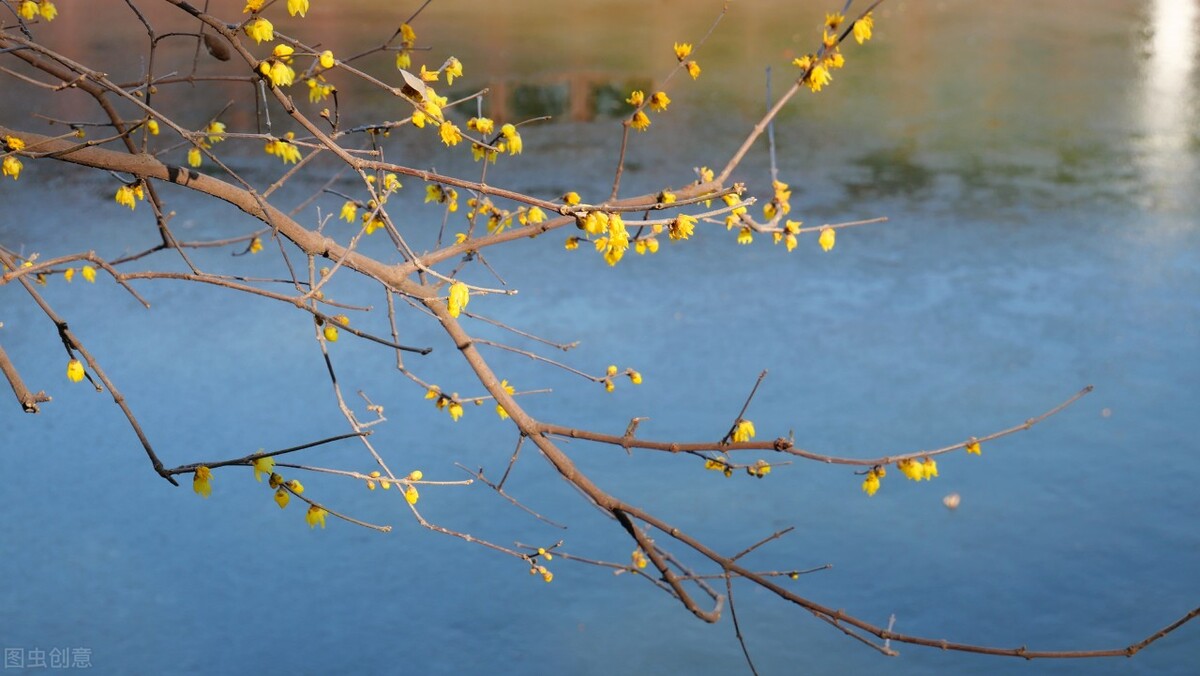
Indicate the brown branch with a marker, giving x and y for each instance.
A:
(28, 400)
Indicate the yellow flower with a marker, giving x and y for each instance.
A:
(818, 77)
(403, 59)
(635, 377)
(743, 431)
(28, 10)
(282, 498)
(278, 73)
(372, 224)
(500, 409)
(216, 131)
(260, 30)
(929, 468)
(513, 139)
(571, 244)
(391, 183)
(255, 245)
(331, 333)
(408, 35)
(683, 227)
(48, 10)
(637, 98)
(349, 212)
(69, 274)
(973, 447)
(315, 516)
(14, 144)
(263, 465)
(759, 469)
(201, 479)
(829, 41)
(693, 69)
(827, 239)
(194, 157)
(659, 101)
(326, 59)
(253, 6)
(639, 559)
(745, 236)
(411, 495)
(74, 370)
(296, 486)
(451, 135)
(571, 198)
(682, 50)
(862, 28)
(416, 475)
(152, 125)
(125, 197)
(11, 166)
(482, 125)
(297, 7)
(455, 410)
(595, 222)
(283, 149)
(275, 481)
(453, 69)
(89, 274)
(459, 297)
(608, 385)
(533, 216)
(911, 468)
(871, 483)
(832, 21)
(835, 60)
(640, 121)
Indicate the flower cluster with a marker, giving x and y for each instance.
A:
(11, 166)
(536, 568)
(612, 239)
(408, 39)
(29, 10)
(278, 69)
(449, 402)
(924, 469)
(816, 69)
(127, 195)
(682, 51)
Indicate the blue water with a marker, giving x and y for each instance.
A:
(1039, 182)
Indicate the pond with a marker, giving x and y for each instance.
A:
(1037, 164)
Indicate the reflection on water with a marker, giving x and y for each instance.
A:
(1031, 165)
(1169, 101)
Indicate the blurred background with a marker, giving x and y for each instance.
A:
(1038, 166)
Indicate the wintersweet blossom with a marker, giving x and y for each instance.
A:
(202, 481)
(460, 295)
(260, 30)
(263, 465)
(74, 370)
(862, 28)
(827, 239)
(315, 516)
(743, 431)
